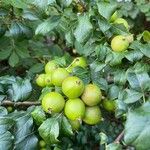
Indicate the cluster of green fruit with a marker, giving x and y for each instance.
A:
(42, 145)
(79, 101)
(120, 42)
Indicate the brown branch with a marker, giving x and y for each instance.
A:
(119, 137)
(15, 104)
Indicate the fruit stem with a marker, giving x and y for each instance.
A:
(119, 137)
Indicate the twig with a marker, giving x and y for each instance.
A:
(119, 137)
(15, 104)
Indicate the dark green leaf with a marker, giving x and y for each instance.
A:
(104, 7)
(137, 128)
(83, 28)
(13, 59)
(20, 90)
(6, 141)
(3, 111)
(82, 73)
(139, 81)
(38, 115)
(5, 124)
(120, 77)
(49, 130)
(28, 142)
(66, 127)
(37, 68)
(19, 31)
(48, 25)
(131, 96)
(5, 53)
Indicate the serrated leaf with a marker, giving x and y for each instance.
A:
(37, 68)
(131, 96)
(66, 127)
(49, 130)
(38, 115)
(6, 141)
(103, 137)
(23, 133)
(119, 29)
(113, 92)
(3, 111)
(7, 79)
(48, 25)
(45, 91)
(144, 48)
(134, 55)
(20, 90)
(82, 73)
(5, 124)
(104, 7)
(29, 15)
(139, 81)
(27, 142)
(104, 25)
(13, 59)
(120, 77)
(42, 4)
(23, 53)
(138, 136)
(4, 54)
(20, 31)
(83, 28)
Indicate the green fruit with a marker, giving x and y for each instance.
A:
(79, 61)
(122, 21)
(43, 149)
(40, 80)
(59, 75)
(42, 143)
(92, 115)
(53, 102)
(75, 124)
(119, 43)
(9, 109)
(91, 95)
(74, 109)
(72, 87)
(48, 79)
(114, 16)
(109, 105)
(51, 66)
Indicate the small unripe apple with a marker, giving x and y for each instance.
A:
(75, 124)
(119, 43)
(48, 79)
(91, 95)
(53, 102)
(74, 109)
(109, 105)
(59, 75)
(122, 21)
(51, 66)
(114, 16)
(40, 80)
(92, 115)
(72, 87)
(79, 61)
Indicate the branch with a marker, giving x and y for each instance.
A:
(120, 136)
(15, 104)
